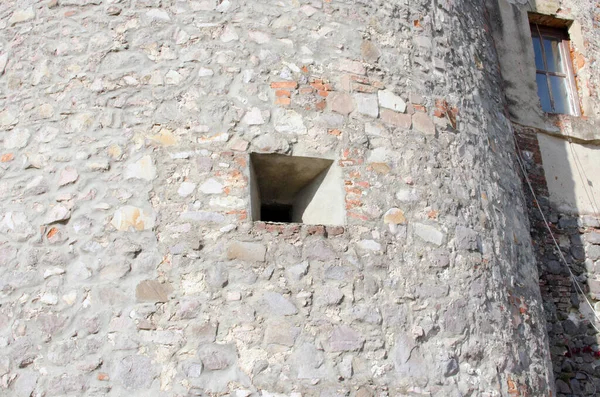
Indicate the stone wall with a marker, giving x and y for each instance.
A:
(573, 339)
(129, 261)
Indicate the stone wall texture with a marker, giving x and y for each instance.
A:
(129, 262)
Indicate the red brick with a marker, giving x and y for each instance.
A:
(283, 101)
(306, 90)
(364, 88)
(317, 230)
(334, 230)
(283, 93)
(284, 84)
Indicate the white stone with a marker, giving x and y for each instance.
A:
(141, 169)
(375, 130)
(46, 110)
(22, 16)
(259, 37)
(406, 195)
(369, 245)
(228, 202)
(253, 117)
(53, 271)
(367, 104)
(67, 175)
(156, 78)
(56, 214)
(229, 34)
(40, 72)
(173, 78)
(380, 155)
(49, 299)
(3, 62)
(17, 138)
(211, 186)
(429, 233)
(7, 118)
(205, 72)
(219, 137)
(80, 122)
(308, 10)
(389, 100)
(186, 188)
(70, 297)
(288, 121)
(128, 217)
(234, 296)
(224, 6)
(351, 66)
(157, 14)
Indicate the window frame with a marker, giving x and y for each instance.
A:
(562, 37)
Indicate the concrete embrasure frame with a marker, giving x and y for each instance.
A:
(310, 185)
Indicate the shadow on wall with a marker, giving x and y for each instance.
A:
(566, 178)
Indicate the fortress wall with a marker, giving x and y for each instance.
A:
(131, 259)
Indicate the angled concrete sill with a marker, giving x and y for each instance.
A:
(294, 189)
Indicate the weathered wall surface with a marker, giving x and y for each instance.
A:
(573, 339)
(560, 153)
(572, 174)
(129, 263)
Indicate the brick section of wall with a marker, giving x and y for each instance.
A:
(573, 341)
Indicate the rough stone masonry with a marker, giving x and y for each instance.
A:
(129, 262)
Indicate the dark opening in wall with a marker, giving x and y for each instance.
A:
(276, 213)
(296, 189)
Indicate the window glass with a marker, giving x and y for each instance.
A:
(537, 48)
(560, 94)
(553, 60)
(543, 92)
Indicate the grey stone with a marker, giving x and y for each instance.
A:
(369, 51)
(152, 291)
(593, 252)
(344, 338)
(367, 104)
(279, 304)
(251, 252)
(318, 250)
(428, 233)
(307, 361)
(202, 217)
(423, 123)
(217, 276)
(216, 357)
(135, 372)
(281, 333)
(451, 367)
(345, 367)
(25, 383)
(593, 237)
(328, 296)
(562, 387)
(288, 122)
(341, 102)
(465, 238)
(298, 271)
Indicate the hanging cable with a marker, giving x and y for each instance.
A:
(562, 257)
